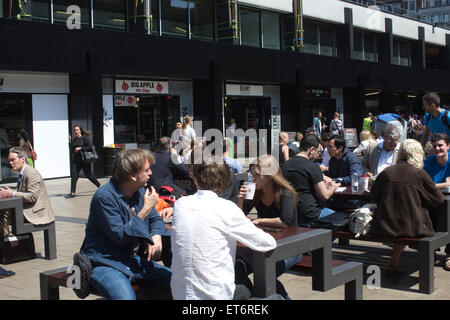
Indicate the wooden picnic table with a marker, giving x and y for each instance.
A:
(348, 194)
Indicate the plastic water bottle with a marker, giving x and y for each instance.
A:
(355, 182)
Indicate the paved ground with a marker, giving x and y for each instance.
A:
(71, 216)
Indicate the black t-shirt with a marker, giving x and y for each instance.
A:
(287, 212)
(303, 174)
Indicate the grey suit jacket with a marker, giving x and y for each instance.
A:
(372, 157)
(36, 205)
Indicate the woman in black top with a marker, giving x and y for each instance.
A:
(275, 202)
(81, 142)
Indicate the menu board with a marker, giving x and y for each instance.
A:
(351, 138)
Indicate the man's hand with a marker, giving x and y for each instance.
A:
(154, 251)
(77, 149)
(166, 213)
(6, 193)
(150, 200)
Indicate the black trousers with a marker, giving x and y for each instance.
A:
(76, 167)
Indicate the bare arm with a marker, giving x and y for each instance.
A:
(326, 190)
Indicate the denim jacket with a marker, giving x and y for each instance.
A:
(112, 235)
(341, 170)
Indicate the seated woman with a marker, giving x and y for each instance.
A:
(275, 202)
(404, 194)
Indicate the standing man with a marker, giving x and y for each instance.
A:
(31, 188)
(123, 232)
(312, 187)
(317, 124)
(436, 120)
(336, 126)
(367, 122)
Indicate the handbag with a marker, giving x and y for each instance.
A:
(335, 221)
(89, 156)
(32, 152)
(17, 248)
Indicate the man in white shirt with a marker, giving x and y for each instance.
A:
(380, 155)
(205, 230)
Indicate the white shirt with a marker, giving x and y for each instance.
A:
(386, 158)
(326, 158)
(205, 229)
(189, 132)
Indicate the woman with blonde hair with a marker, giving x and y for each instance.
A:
(187, 130)
(283, 139)
(275, 201)
(404, 194)
(365, 138)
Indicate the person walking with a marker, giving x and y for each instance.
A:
(24, 143)
(367, 122)
(336, 125)
(80, 143)
(187, 129)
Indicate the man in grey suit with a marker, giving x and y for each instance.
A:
(31, 188)
(380, 155)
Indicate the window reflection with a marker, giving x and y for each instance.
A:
(250, 35)
(174, 17)
(109, 14)
(201, 16)
(271, 30)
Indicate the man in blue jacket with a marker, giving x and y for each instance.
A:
(123, 233)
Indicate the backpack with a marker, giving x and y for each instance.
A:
(360, 219)
(167, 197)
(444, 120)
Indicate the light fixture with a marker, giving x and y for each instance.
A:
(411, 96)
(67, 13)
(372, 93)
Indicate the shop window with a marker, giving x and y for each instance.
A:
(432, 57)
(358, 53)
(201, 18)
(319, 39)
(271, 31)
(250, 28)
(109, 14)
(15, 114)
(155, 14)
(370, 48)
(174, 17)
(40, 10)
(60, 14)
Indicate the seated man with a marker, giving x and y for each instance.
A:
(166, 168)
(438, 165)
(205, 230)
(31, 188)
(380, 155)
(122, 224)
(307, 179)
(343, 164)
(326, 156)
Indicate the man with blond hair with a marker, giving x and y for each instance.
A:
(123, 233)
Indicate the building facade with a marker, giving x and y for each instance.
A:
(128, 71)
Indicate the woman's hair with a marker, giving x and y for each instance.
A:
(23, 133)
(428, 148)
(186, 121)
(81, 129)
(411, 151)
(279, 182)
(282, 135)
(365, 135)
(129, 162)
(212, 176)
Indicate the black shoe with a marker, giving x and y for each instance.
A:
(5, 273)
(70, 195)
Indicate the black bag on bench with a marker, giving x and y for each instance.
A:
(17, 248)
(335, 221)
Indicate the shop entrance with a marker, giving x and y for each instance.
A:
(326, 106)
(151, 118)
(249, 113)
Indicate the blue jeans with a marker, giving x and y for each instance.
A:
(114, 285)
(325, 212)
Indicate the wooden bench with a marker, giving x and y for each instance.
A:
(50, 281)
(19, 226)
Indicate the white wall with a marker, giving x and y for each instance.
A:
(51, 134)
(34, 82)
(338, 95)
(184, 90)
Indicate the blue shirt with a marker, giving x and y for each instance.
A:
(437, 172)
(112, 234)
(436, 125)
(318, 126)
(233, 164)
